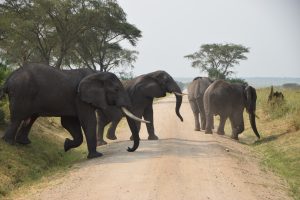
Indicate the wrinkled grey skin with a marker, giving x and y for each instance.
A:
(39, 90)
(228, 101)
(196, 91)
(142, 90)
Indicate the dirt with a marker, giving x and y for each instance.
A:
(182, 164)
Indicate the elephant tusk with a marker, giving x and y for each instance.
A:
(180, 94)
(129, 114)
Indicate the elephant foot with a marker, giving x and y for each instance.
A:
(67, 144)
(94, 154)
(111, 136)
(235, 137)
(100, 143)
(220, 132)
(23, 141)
(197, 129)
(208, 132)
(152, 137)
(8, 140)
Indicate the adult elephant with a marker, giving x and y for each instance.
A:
(196, 91)
(142, 90)
(39, 90)
(228, 101)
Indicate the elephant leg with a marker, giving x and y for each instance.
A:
(196, 119)
(111, 132)
(11, 131)
(102, 122)
(220, 130)
(72, 125)
(88, 121)
(209, 123)
(148, 115)
(195, 110)
(203, 118)
(237, 124)
(22, 136)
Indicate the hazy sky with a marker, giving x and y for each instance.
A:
(172, 29)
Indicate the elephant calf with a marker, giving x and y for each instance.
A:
(228, 101)
(196, 91)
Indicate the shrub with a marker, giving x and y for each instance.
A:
(237, 80)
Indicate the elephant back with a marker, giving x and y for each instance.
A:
(197, 87)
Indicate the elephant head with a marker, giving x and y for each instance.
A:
(250, 104)
(159, 83)
(104, 89)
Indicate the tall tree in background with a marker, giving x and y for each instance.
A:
(100, 47)
(218, 60)
(75, 33)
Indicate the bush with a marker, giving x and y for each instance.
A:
(237, 80)
(4, 73)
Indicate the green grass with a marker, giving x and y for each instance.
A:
(23, 165)
(279, 145)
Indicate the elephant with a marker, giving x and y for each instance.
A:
(36, 90)
(228, 100)
(196, 91)
(142, 90)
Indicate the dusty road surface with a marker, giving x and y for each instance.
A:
(183, 164)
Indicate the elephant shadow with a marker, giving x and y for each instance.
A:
(270, 138)
(116, 153)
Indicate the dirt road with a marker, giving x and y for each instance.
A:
(183, 164)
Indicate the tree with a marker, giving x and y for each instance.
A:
(99, 48)
(218, 59)
(65, 33)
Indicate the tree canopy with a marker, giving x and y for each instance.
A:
(218, 60)
(66, 33)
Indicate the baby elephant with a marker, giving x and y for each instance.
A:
(229, 100)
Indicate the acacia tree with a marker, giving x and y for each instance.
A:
(50, 31)
(218, 60)
(99, 48)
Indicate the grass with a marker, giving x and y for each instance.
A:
(24, 165)
(279, 145)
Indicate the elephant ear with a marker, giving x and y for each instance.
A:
(250, 95)
(160, 77)
(91, 91)
(149, 87)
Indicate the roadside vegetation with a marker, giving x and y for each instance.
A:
(23, 165)
(279, 126)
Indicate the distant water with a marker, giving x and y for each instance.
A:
(256, 81)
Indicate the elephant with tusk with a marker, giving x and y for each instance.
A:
(142, 90)
(36, 90)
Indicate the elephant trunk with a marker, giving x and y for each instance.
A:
(176, 90)
(135, 134)
(250, 94)
(178, 104)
